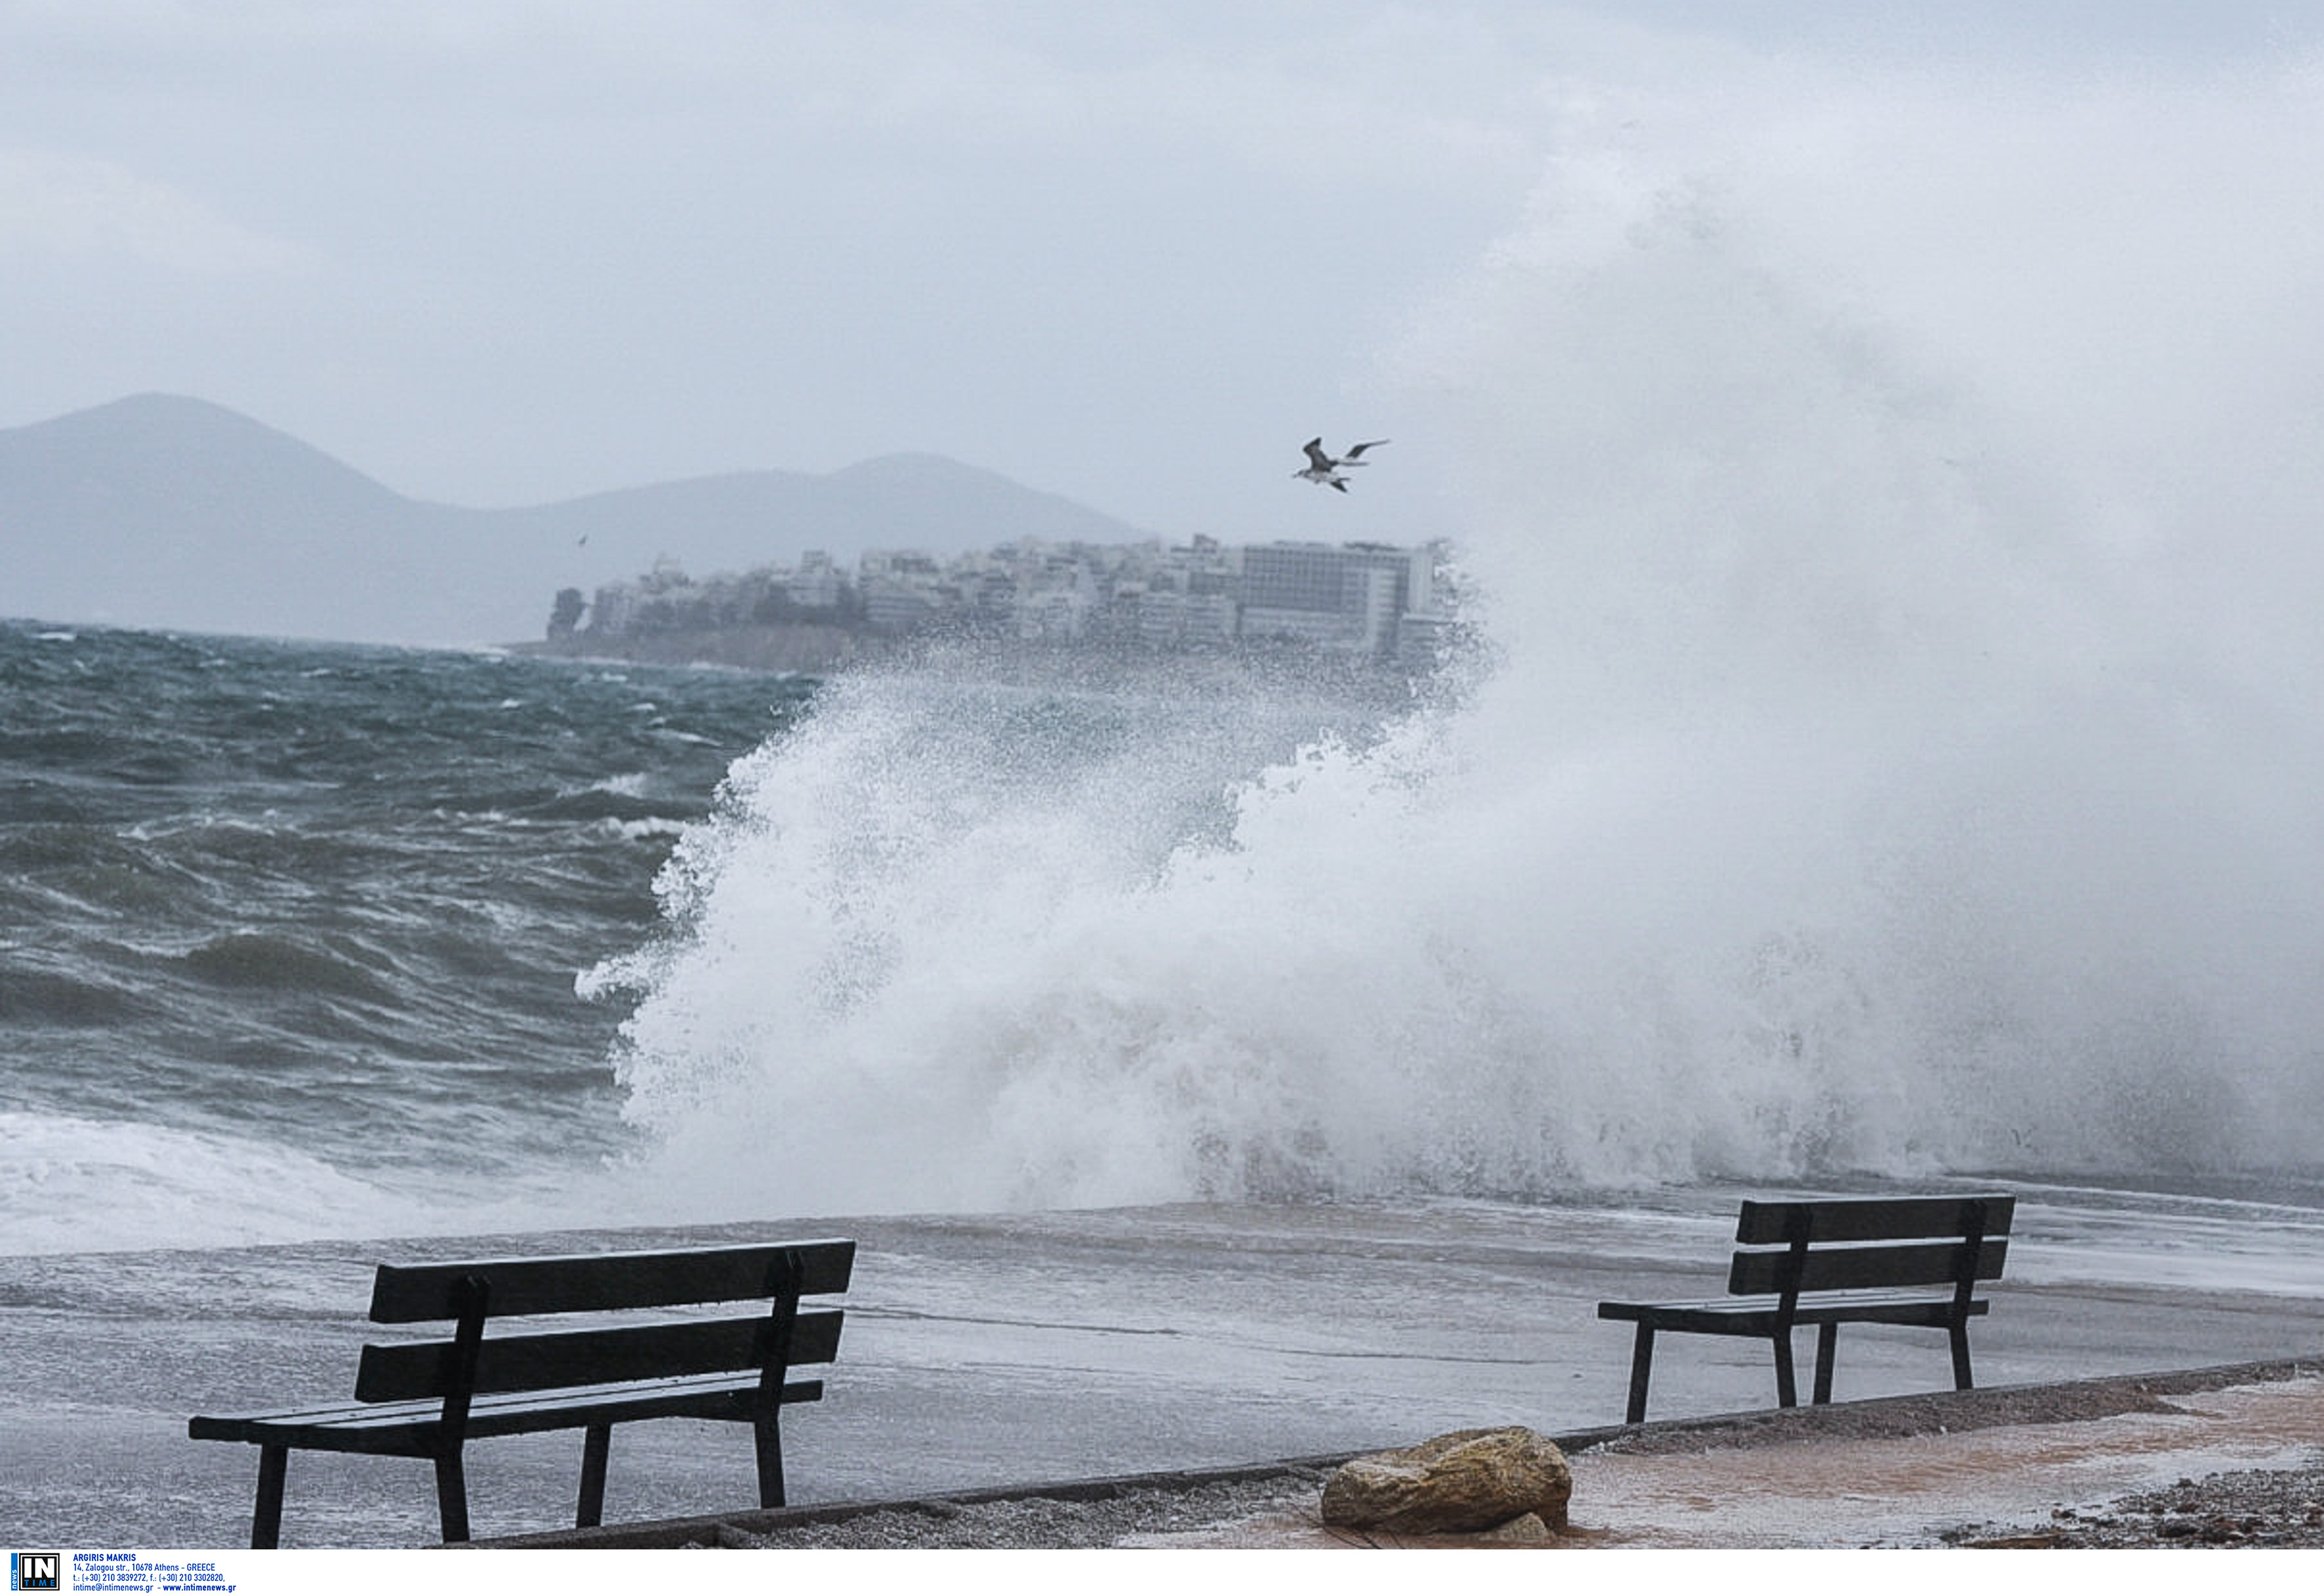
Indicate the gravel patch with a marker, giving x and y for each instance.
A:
(2280, 1508)
(1040, 1523)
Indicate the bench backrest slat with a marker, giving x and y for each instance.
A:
(1874, 1218)
(554, 1360)
(1854, 1269)
(1869, 1243)
(407, 1294)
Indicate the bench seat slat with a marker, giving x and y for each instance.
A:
(409, 1429)
(1758, 1316)
(1846, 1269)
(591, 1357)
(410, 1294)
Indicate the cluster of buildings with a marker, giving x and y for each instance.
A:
(1375, 603)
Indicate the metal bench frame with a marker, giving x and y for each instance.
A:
(1843, 1261)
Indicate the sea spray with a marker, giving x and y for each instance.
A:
(2016, 706)
(937, 942)
(1853, 791)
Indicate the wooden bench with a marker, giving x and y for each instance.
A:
(429, 1398)
(1854, 1260)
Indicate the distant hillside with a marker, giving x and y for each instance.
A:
(165, 511)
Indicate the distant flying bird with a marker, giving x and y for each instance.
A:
(1324, 469)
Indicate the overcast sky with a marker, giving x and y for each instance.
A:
(499, 251)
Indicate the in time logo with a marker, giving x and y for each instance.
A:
(36, 1570)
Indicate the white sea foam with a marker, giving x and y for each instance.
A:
(1900, 754)
(95, 1185)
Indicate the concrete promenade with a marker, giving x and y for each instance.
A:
(990, 1350)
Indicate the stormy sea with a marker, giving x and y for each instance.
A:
(1862, 778)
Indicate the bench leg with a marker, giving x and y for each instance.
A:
(768, 1433)
(1827, 1350)
(1787, 1384)
(1642, 1368)
(266, 1517)
(593, 1448)
(1961, 1356)
(452, 1496)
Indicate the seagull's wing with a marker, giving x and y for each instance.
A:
(1360, 449)
(1340, 483)
(1315, 454)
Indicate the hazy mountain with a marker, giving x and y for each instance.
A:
(165, 511)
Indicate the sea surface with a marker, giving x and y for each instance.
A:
(303, 940)
(288, 933)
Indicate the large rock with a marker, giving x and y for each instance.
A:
(1468, 1481)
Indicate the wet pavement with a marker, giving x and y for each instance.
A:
(983, 1351)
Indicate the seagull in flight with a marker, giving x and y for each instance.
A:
(1322, 468)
